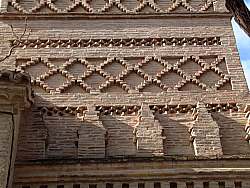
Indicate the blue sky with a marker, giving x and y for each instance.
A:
(243, 44)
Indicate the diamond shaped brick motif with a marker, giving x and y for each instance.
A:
(56, 80)
(133, 80)
(170, 79)
(115, 68)
(164, 4)
(223, 66)
(37, 70)
(75, 89)
(130, 4)
(152, 68)
(209, 59)
(190, 67)
(62, 4)
(190, 87)
(38, 89)
(171, 60)
(226, 86)
(95, 80)
(97, 4)
(77, 69)
(133, 61)
(210, 78)
(114, 89)
(58, 62)
(96, 61)
(152, 88)
(28, 4)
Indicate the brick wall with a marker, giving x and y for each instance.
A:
(5, 147)
(127, 80)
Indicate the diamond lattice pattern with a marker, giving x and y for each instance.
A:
(127, 75)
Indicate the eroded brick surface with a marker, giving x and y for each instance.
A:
(6, 135)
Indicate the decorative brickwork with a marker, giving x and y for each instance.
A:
(128, 75)
(205, 134)
(127, 94)
(92, 136)
(80, 43)
(180, 184)
(148, 134)
(102, 6)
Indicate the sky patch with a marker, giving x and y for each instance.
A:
(243, 45)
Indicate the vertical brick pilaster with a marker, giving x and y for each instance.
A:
(148, 133)
(181, 185)
(10, 112)
(214, 184)
(198, 184)
(91, 142)
(101, 185)
(6, 139)
(117, 185)
(9, 126)
(133, 185)
(149, 184)
(165, 184)
(34, 186)
(84, 185)
(50, 185)
(206, 134)
(229, 184)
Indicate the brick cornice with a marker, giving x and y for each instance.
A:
(127, 171)
(76, 16)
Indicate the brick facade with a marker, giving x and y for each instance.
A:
(143, 94)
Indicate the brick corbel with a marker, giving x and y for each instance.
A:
(205, 134)
(148, 134)
(15, 96)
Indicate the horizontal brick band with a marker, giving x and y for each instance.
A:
(112, 6)
(84, 43)
(122, 75)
